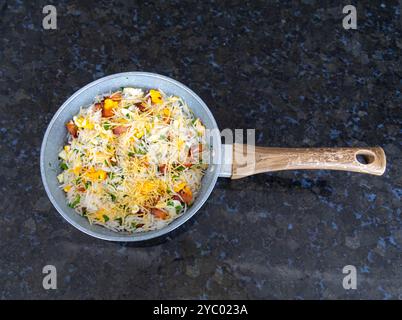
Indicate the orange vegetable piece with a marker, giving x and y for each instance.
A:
(108, 106)
(186, 195)
(72, 128)
(119, 130)
(158, 213)
(116, 96)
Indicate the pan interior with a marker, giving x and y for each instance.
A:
(55, 137)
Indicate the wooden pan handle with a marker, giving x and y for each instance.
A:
(249, 160)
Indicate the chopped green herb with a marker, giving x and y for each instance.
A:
(107, 126)
(119, 220)
(140, 151)
(88, 184)
(105, 217)
(75, 202)
(178, 208)
(113, 197)
(63, 166)
(131, 154)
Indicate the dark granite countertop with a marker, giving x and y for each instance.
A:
(289, 71)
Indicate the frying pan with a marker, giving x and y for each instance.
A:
(227, 160)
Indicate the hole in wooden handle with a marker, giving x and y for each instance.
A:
(365, 157)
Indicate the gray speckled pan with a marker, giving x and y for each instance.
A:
(56, 135)
(227, 160)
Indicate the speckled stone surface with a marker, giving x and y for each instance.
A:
(288, 70)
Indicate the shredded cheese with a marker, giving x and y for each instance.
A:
(133, 156)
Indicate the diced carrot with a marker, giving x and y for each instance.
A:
(72, 128)
(119, 130)
(107, 113)
(186, 195)
(158, 213)
(116, 96)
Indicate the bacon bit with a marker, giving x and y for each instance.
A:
(176, 197)
(81, 189)
(195, 149)
(116, 96)
(98, 106)
(186, 195)
(162, 168)
(141, 106)
(119, 130)
(72, 128)
(193, 155)
(187, 164)
(140, 225)
(189, 160)
(158, 213)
